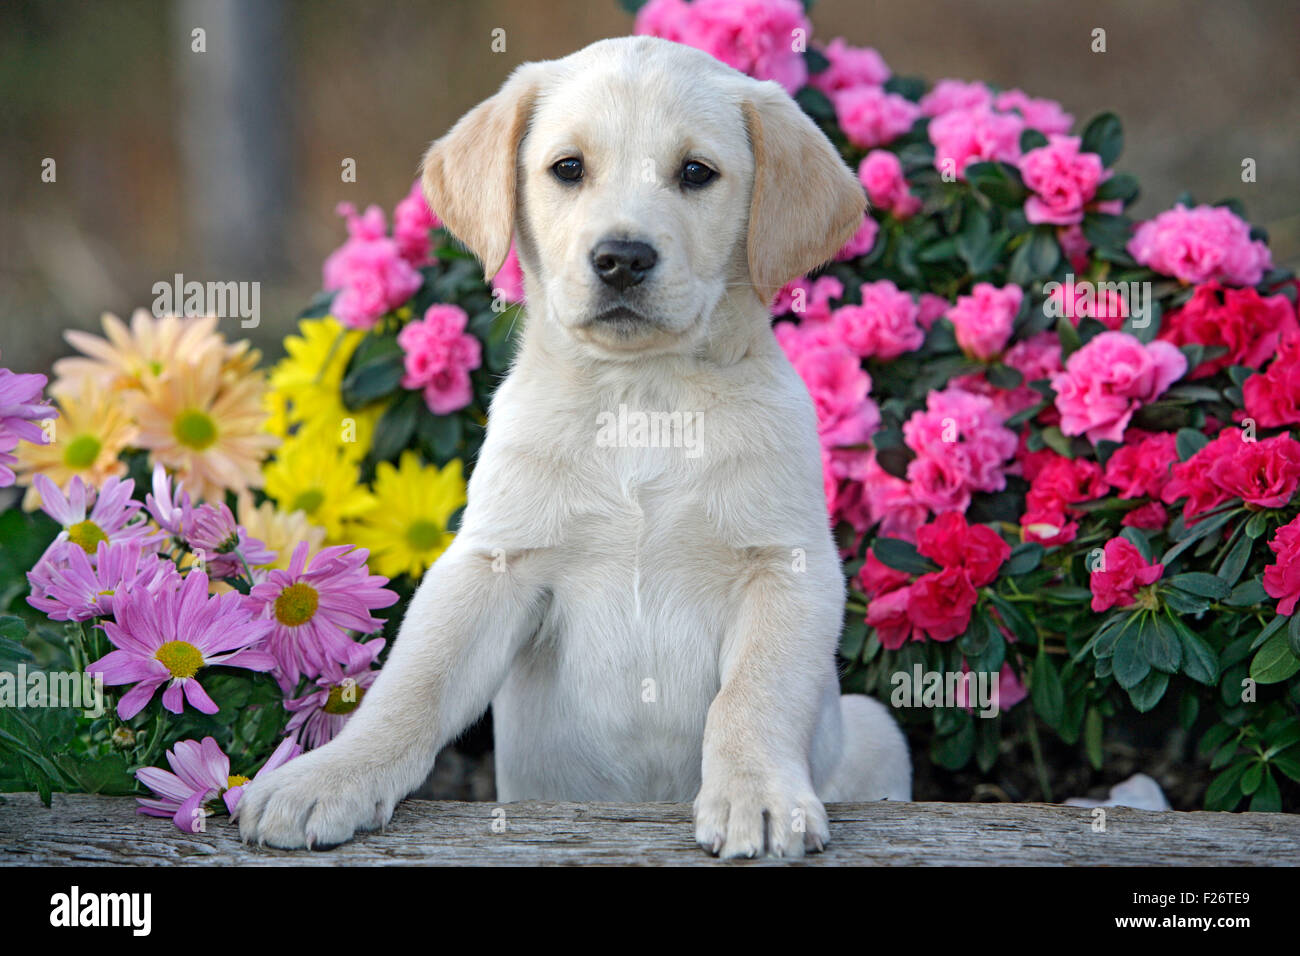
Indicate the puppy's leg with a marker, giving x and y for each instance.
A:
(757, 794)
(465, 625)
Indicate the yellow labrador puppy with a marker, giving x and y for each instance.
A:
(651, 612)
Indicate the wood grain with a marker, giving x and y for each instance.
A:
(92, 830)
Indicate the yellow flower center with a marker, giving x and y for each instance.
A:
(87, 535)
(423, 535)
(337, 704)
(194, 429)
(236, 780)
(308, 501)
(182, 658)
(82, 451)
(296, 604)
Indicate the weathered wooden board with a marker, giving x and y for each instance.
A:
(91, 830)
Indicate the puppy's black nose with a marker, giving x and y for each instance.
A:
(622, 263)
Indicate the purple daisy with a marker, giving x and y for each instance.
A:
(67, 587)
(168, 635)
(166, 507)
(320, 715)
(88, 518)
(201, 773)
(211, 533)
(21, 408)
(312, 609)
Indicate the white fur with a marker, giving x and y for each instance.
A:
(647, 623)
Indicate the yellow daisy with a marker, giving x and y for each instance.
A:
(408, 531)
(318, 479)
(138, 357)
(204, 428)
(309, 382)
(89, 433)
(279, 530)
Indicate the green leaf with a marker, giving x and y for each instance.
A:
(1104, 135)
(1036, 258)
(954, 751)
(1224, 792)
(1025, 557)
(816, 104)
(374, 372)
(1148, 693)
(853, 638)
(1188, 441)
(1121, 186)
(1200, 662)
(1092, 737)
(1201, 584)
(1130, 664)
(901, 556)
(1032, 139)
(1159, 643)
(1252, 778)
(1234, 562)
(1248, 593)
(1046, 692)
(1274, 661)
(1268, 798)
(395, 427)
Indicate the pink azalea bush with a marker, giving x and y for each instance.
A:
(1058, 444)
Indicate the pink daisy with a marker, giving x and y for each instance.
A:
(88, 518)
(201, 774)
(67, 587)
(21, 408)
(310, 610)
(320, 715)
(168, 635)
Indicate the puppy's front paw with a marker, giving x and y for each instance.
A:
(316, 801)
(747, 816)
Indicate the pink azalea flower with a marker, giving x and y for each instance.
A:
(839, 387)
(67, 587)
(1196, 245)
(881, 174)
(412, 222)
(201, 773)
(309, 610)
(88, 518)
(1063, 180)
(319, 715)
(1046, 116)
(884, 326)
(870, 116)
(368, 270)
(21, 408)
(753, 36)
(439, 355)
(978, 134)
(1119, 575)
(860, 242)
(960, 445)
(808, 298)
(1109, 379)
(948, 95)
(167, 635)
(509, 280)
(983, 319)
(849, 67)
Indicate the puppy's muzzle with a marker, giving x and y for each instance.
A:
(623, 263)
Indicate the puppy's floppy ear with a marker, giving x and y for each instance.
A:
(806, 203)
(469, 174)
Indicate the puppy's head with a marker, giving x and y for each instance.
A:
(647, 182)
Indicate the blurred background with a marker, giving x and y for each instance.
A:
(226, 164)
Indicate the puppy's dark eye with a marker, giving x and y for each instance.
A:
(568, 170)
(696, 174)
